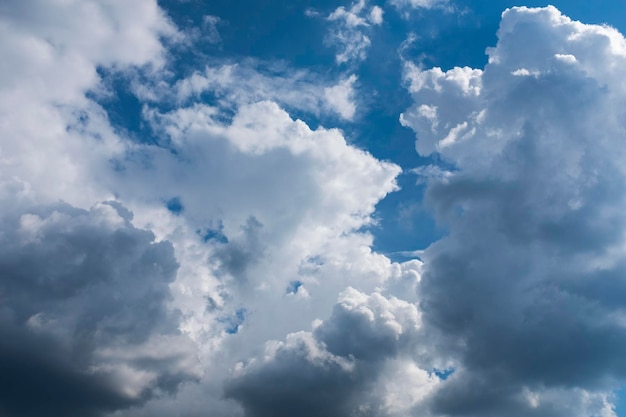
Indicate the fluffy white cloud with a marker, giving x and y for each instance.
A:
(54, 140)
(277, 249)
(524, 294)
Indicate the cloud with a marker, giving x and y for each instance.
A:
(523, 293)
(52, 54)
(267, 201)
(105, 312)
(350, 29)
(339, 97)
(407, 7)
(89, 286)
(85, 323)
(331, 370)
(419, 4)
(209, 26)
(233, 85)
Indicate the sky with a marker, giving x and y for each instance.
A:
(314, 209)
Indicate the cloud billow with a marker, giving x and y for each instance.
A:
(524, 288)
(333, 370)
(84, 312)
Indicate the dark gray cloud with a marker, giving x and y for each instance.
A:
(84, 298)
(298, 380)
(527, 291)
(331, 371)
(39, 377)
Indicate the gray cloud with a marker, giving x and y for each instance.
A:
(331, 371)
(84, 312)
(297, 382)
(38, 377)
(526, 292)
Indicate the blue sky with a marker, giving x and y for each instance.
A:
(322, 208)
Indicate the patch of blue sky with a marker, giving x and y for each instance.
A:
(213, 234)
(443, 374)
(620, 404)
(293, 287)
(233, 322)
(174, 205)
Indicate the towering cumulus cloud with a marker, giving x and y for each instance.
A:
(527, 291)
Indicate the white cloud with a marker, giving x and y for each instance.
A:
(340, 97)
(279, 230)
(211, 33)
(350, 29)
(51, 53)
(249, 82)
(534, 205)
(419, 4)
(376, 15)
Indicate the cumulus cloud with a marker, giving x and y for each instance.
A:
(524, 292)
(85, 320)
(273, 229)
(181, 276)
(350, 29)
(263, 254)
(52, 53)
(254, 227)
(86, 285)
(331, 370)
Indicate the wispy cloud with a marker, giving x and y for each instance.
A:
(350, 29)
